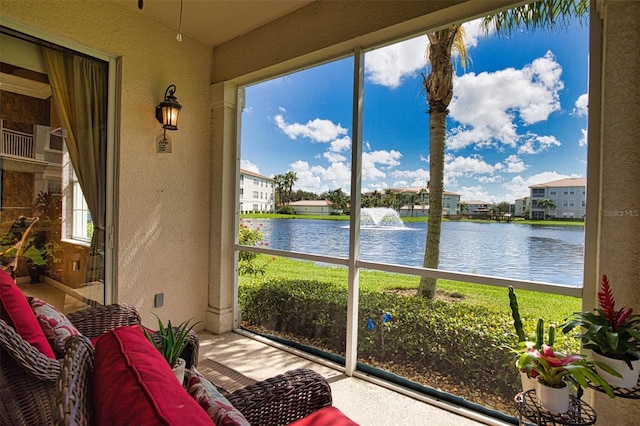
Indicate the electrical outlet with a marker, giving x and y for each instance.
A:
(158, 300)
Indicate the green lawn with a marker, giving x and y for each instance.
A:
(533, 305)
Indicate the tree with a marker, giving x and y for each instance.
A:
(545, 204)
(464, 208)
(279, 181)
(338, 198)
(439, 88)
(290, 178)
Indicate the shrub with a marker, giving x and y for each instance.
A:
(458, 340)
(247, 260)
(286, 210)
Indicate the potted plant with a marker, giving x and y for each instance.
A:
(528, 374)
(553, 370)
(171, 341)
(612, 335)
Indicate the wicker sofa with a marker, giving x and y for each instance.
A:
(28, 377)
(296, 395)
(96, 366)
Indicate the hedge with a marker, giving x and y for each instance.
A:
(453, 339)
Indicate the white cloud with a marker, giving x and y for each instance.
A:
(518, 187)
(334, 157)
(319, 179)
(388, 65)
(488, 105)
(340, 145)
(418, 177)
(536, 144)
(514, 164)
(475, 193)
(583, 140)
(467, 166)
(581, 107)
(371, 160)
(318, 130)
(248, 165)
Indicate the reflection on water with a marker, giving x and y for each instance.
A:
(537, 253)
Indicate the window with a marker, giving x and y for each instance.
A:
(565, 191)
(255, 182)
(572, 191)
(255, 194)
(391, 166)
(552, 191)
(69, 237)
(82, 225)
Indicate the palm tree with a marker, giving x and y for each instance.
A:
(290, 178)
(279, 181)
(439, 89)
(545, 204)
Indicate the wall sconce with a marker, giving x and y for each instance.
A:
(168, 110)
(167, 114)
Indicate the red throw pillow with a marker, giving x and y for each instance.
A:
(325, 416)
(18, 314)
(133, 384)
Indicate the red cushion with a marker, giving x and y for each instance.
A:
(17, 312)
(325, 416)
(133, 384)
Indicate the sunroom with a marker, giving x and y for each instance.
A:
(167, 241)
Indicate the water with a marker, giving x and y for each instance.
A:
(538, 253)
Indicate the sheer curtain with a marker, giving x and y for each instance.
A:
(79, 88)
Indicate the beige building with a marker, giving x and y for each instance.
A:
(185, 202)
(569, 198)
(317, 207)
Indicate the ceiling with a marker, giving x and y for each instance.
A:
(214, 22)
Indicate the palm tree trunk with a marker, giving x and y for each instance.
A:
(439, 88)
(437, 124)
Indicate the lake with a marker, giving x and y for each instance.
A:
(551, 254)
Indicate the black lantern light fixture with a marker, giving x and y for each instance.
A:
(168, 110)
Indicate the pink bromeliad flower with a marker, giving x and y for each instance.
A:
(554, 360)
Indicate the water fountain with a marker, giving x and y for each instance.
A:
(377, 217)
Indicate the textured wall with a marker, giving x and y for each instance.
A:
(619, 251)
(163, 199)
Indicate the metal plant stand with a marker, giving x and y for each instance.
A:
(629, 393)
(533, 413)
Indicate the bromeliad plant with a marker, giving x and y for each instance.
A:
(554, 368)
(170, 340)
(607, 331)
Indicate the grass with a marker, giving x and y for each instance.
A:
(553, 308)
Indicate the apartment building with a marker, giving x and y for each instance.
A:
(256, 192)
(567, 199)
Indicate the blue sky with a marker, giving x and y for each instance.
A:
(518, 117)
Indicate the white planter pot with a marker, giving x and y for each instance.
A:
(178, 370)
(554, 400)
(528, 383)
(629, 377)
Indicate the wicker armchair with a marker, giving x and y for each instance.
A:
(282, 399)
(28, 378)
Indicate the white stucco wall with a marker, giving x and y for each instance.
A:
(163, 199)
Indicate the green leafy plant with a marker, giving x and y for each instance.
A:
(610, 332)
(554, 367)
(170, 341)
